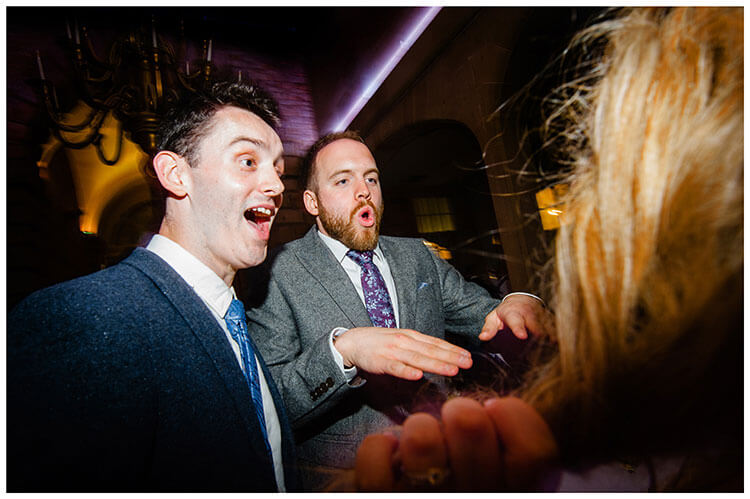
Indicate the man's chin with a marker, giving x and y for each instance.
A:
(255, 256)
(351, 234)
(364, 240)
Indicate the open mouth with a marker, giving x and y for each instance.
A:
(366, 216)
(260, 218)
(258, 215)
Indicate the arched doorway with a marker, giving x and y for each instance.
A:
(435, 187)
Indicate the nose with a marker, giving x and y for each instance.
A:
(270, 183)
(363, 189)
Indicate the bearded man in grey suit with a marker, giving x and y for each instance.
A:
(316, 324)
(141, 377)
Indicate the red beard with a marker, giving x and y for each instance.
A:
(352, 234)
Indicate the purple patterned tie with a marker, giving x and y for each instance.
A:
(377, 300)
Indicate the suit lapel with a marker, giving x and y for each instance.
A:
(320, 262)
(204, 326)
(403, 270)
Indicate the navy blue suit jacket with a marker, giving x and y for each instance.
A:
(123, 380)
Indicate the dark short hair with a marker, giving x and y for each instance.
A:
(308, 163)
(186, 123)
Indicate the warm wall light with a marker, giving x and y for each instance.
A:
(433, 215)
(95, 184)
(440, 251)
(550, 206)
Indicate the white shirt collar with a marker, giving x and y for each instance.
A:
(207, 284)
(339, 249)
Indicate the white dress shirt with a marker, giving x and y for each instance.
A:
(217, 296)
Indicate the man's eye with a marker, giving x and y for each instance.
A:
(372, 180)
(342, 181)
(248, 162)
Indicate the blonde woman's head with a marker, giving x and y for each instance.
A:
(648, 262)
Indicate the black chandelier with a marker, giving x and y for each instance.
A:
(139, 79)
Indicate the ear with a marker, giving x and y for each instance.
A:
(311, 202)
(170, 169)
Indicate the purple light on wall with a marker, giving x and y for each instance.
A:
(412, 34)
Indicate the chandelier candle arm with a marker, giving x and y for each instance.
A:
(136, 82)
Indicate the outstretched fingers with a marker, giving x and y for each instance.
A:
(492, 324)
(408, 354)
(430, 354)
(522, 314)
(403, 353)
(516, 322)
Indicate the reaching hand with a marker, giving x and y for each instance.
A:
(403, 353)
(503, 445)
(521, 314)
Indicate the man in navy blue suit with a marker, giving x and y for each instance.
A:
(141, 376)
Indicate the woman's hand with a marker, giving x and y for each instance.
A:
(501, 445)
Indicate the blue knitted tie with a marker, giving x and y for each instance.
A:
(237, 325)
(377, 300)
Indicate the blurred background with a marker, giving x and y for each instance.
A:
(86, 88)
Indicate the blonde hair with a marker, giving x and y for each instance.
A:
(647, 285)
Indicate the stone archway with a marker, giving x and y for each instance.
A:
(435, 187)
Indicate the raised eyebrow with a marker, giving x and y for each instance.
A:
(257, 142)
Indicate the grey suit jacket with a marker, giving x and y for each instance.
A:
(307, 294)
(123, 380)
